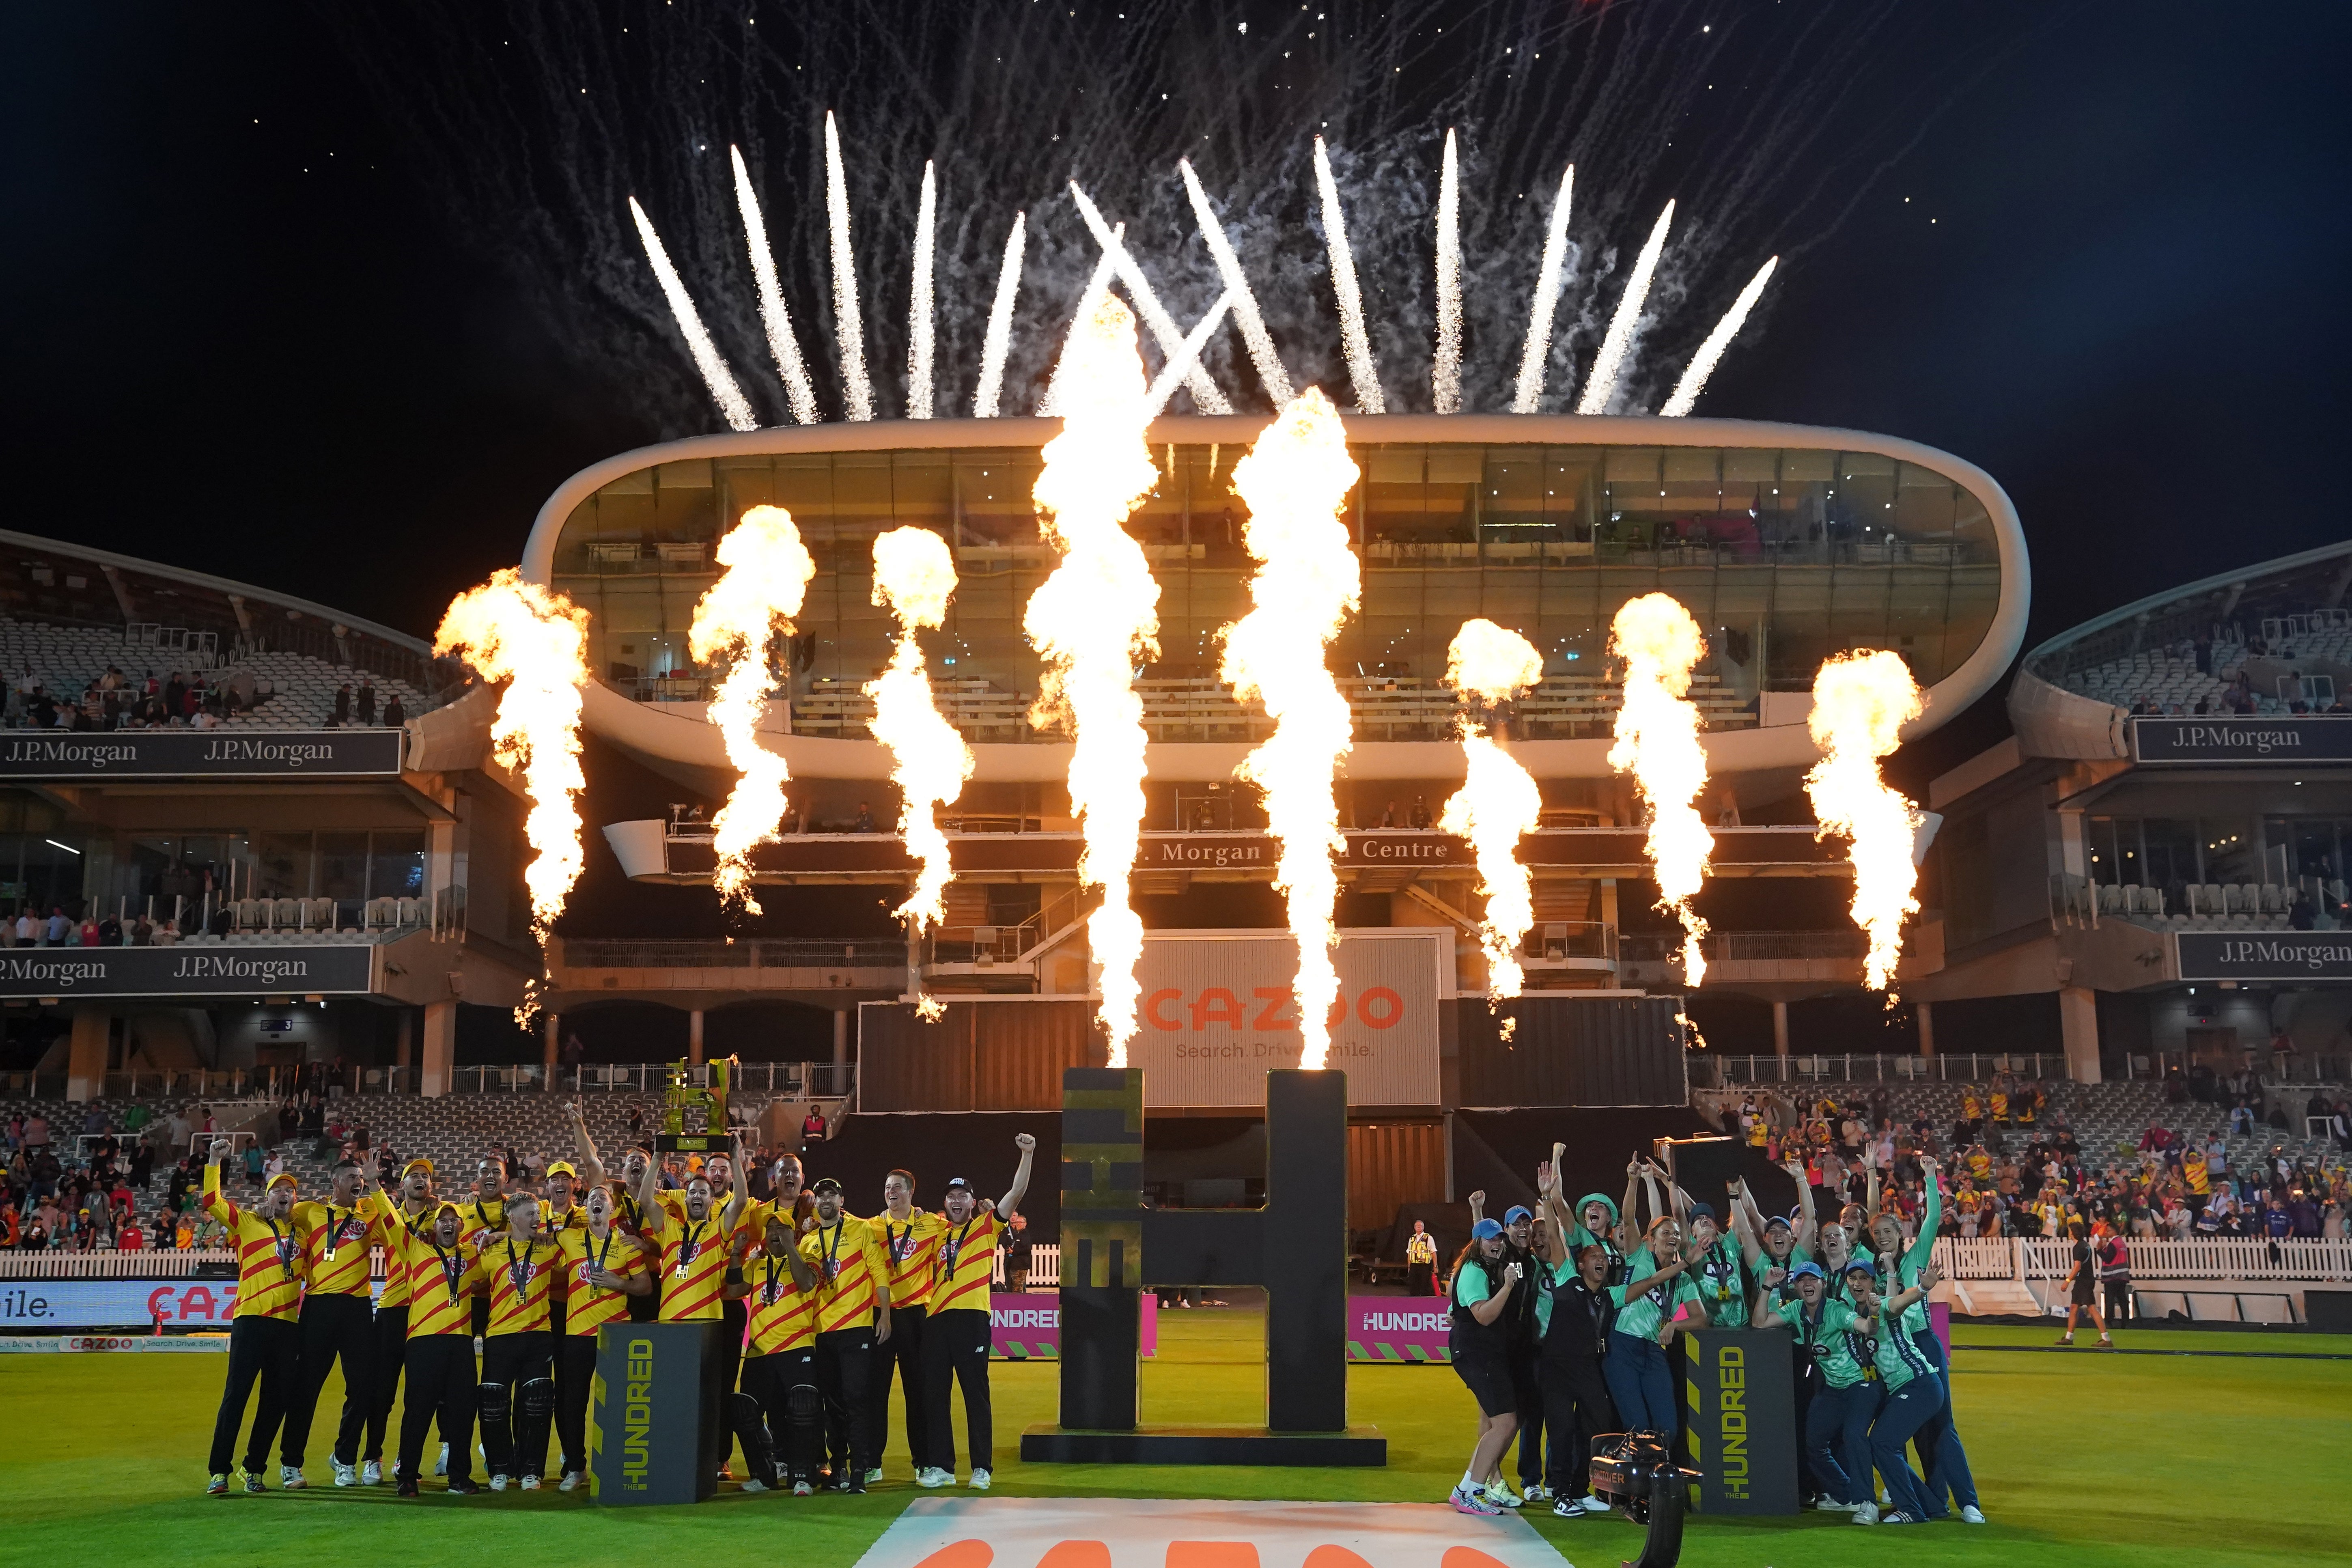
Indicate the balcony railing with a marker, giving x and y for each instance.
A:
(1957, 1068)
(758, 953)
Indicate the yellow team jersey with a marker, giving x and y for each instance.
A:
(397, 1223)
(910, 1253)
(968, 1262)
(335, 1243)
(846, 1256)
(2200, 1181)
(693, 1265)
(1999, 1107)
(268, 1255)
(1971, 1107)
(587, 1307)
(782, 1315)
(441, 1280)
(479, 1219)
(520, 1278)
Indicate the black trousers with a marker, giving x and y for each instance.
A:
(770, 1379)
(390, 1353)
(733, 1317)
(335, 1327)
(1526, 1398)
(2118, 1293)
(1576, 1409)
(514, 1360)
(955, 1350)
(269, 1350)
(441, 1383)
(903, 1354)
(575, 1375)
(844, 1376)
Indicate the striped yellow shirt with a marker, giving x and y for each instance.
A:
(335, 1242)
(268, 1255)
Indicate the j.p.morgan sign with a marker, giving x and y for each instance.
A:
(197, 753)
(2225, 739)
(184, 970)
(2265, 956)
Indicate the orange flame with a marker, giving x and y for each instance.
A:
(1657, 742)
(1499, 803)
(1861, 703)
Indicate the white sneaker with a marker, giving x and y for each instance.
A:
(497, 1483)
(1971, 1514)
(1591, 1504)
(802, 1489)
(530, 1483)
(441, 1464)
(874, 1476)
(1831, 1505)
(345, 1475)
(1566, 1508)
(372, 1473)
(1866, 1513)
(1467, 1500)
(754, 1484)
(980, 1481)
(1537, 1493)
(1500, 1494)
(289, 1477)
(572, 1480)
(933, 1477)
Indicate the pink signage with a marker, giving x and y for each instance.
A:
(1401, 1329)
(1028, 1327)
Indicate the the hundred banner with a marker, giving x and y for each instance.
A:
(1742, 1395)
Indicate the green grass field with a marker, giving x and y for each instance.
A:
(2083, 1459)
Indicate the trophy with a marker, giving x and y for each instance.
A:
(694, 1109)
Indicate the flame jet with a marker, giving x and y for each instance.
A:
(1861, 703)
(535, 640)
(914, 577)
(1657, 742)
(1294, 482)
(1092, 619)
(1498, 803)
(768, 572)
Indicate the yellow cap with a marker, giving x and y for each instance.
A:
(561, 1168)
(419, 1163)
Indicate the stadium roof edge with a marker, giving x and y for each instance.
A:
(2168, 597)
(224, 585)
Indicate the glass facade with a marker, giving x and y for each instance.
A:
(1784, 556)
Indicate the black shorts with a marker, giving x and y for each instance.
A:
(1489, 1376)
(2086, 1290)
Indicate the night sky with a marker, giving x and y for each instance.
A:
(246, 335)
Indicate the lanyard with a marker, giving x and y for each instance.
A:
(450, 1266)
(604, 1249)
(334, 1231)
(895, 1240)
(687, 1248)
(768, 1291)
(520, 1271)
(833, 1252)
(284, 1246)
(954, 1249)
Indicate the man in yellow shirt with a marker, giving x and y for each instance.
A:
(777, 1415)
(852, 1316)
(443, 1277)
(957, 1331)
(412, 1207)
(265, 1338)
(337, 1316)
(910, 1240)
(695, 1236)
(604, 1272)
(521, 1267)
(484, 1217)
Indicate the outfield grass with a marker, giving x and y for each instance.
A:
(2083, 1459)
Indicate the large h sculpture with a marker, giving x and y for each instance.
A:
(1295, 1246)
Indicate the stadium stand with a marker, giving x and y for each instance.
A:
(112, 675)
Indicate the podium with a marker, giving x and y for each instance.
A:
(655, 1432)
(1741, 1389)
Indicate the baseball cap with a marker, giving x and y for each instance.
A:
(1804, 1270)
(284, 1179)
(826, 1185)
(1702, 1211)
(419, 1163)
(1485, 1230)
(562, 1168)
(957, 1181)
(1860, 1266)
(1783, 1221)
(1517, 1215)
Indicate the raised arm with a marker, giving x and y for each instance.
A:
(1555, 1233)
(1809, 1228)
(740, 1197)
(1477, 1207)
(1870, 1189)
(592, 1169)
(652, 1217)
(1923, 1246)
(1487, 1310)
(1009, 1203)
(1751, 1245)
(1629, 1232)
(217, 1203)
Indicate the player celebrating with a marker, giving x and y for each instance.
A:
(337, 1318)
(265, 1339)
(518, 1397)
(693, 1241)
(442, 1280)
(910, 1253)
(777, 1415)
(604, 1273)
(956, 1337)
(851, 1319)
(413, 1207)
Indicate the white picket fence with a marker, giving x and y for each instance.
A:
(1045, 1266)
(171, 1265)
(2214, 1258)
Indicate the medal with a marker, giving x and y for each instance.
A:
(687, 1249)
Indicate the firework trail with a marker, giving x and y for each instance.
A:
(999, 340)
(767, 575)
(1270, 373)
(922, 337)
(1361, 372)
(1296, 482)
(1499, 803)
(1702, 364)
(1861, 703)
(1536, 356)
(1445, 375)
(724, 391)
(783, 345)
(1657, 742)
(1206, 398)
(1608, 365)
(1188, 354)
(1092, 619)
(849, 326)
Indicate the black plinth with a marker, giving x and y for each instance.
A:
(1359, 1447)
